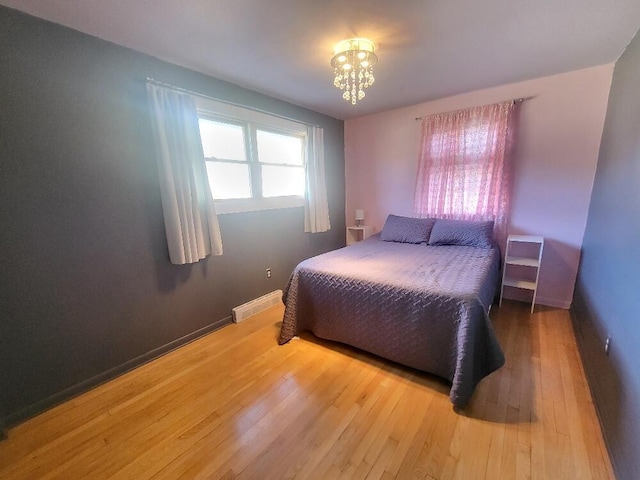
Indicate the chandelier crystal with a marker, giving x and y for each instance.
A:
(352, 64)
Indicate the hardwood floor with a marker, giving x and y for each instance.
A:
(235, 405)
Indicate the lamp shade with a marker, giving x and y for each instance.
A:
(360, 215)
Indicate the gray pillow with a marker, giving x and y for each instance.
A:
(462, 232)
(406, 229)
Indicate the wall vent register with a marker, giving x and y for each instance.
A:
(253, 307)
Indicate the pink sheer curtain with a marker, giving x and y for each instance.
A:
(464, 169)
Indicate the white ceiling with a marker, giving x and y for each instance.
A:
(427, 49)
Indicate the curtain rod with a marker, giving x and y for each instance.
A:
(208, 97)
(514, 100)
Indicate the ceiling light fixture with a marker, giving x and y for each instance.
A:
(352, 64)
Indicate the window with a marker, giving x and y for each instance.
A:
(254, 161)
(226, 158)
(465, 179)
(281, 158)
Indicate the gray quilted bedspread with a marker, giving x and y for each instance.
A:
(422, 306)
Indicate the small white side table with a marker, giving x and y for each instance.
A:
(357, 234)
(530, 261)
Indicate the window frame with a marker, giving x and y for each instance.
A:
(252, 121)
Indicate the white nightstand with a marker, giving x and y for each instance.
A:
(356, 234)
(522, 251)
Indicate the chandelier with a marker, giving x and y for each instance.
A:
(352, 64)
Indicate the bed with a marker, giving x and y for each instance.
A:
(424, 305)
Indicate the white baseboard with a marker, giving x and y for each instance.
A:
(554, 302)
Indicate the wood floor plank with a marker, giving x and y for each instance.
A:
(235, 405)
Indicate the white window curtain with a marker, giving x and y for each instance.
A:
(316, 208)
(190, 218)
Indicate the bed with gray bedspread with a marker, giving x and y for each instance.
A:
(422, 306)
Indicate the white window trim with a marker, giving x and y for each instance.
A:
(257, 204)
(211, 107)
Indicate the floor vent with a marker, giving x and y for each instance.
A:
(244, 311)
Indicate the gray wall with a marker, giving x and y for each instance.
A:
(607, 298)
(86, 289)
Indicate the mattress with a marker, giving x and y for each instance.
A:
(422, 306)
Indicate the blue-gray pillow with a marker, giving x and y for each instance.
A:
(462, 232)
(406, 229)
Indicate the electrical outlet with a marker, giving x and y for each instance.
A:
(268, 273)
(607, 344)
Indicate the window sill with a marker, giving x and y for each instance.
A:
(255, 205)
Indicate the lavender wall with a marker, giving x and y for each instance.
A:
(555, 162)
(607, 301)
(86, 287)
